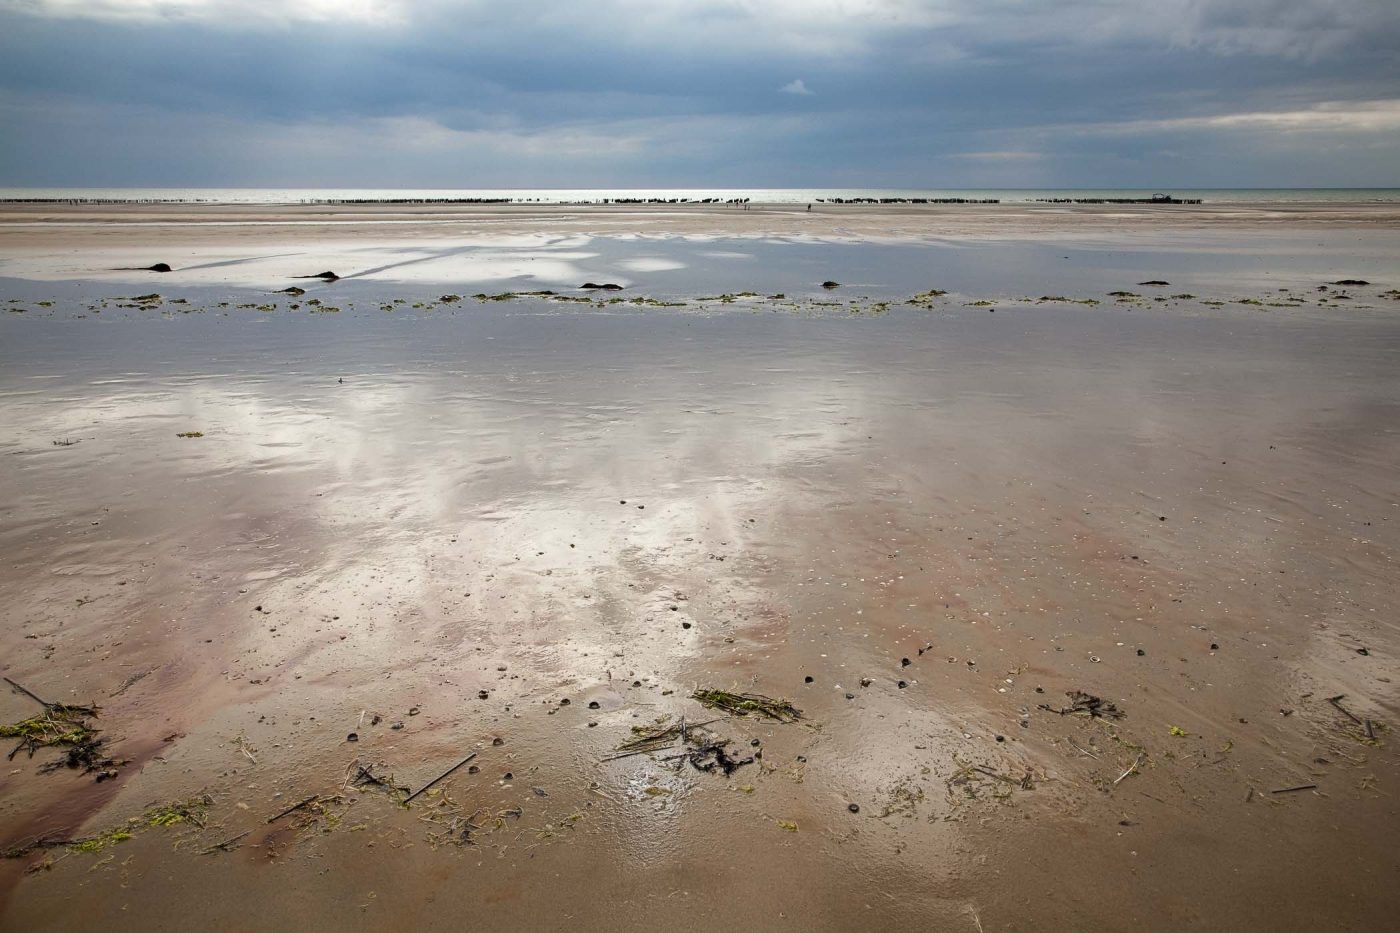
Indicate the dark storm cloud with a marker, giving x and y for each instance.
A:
(706, 92)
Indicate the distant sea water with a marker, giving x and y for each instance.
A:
(756, 195)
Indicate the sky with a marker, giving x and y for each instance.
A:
(700, 93)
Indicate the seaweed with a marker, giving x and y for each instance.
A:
(62, 726)
(1082, 703)
(741, 704)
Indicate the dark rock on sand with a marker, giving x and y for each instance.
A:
(327, 276)
(830, 284)
(293, 291)
(606, 286)
(1351, 282)
(1154, 282)
(159, 267)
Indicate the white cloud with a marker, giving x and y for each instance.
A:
(795, 87)
(1377, 116)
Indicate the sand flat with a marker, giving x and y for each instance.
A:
(1185, 507)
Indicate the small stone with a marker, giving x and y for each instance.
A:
(850, 696)
(593, 704)
(685, 625)
(807, 679)
(413, 711)
(755, 742)
(473, 769)
(902, 685)
(353, 737)
(507, 776)
(904, 662)
(498, 741)
(853, 807)
(564, 702)
(1001, 738)
(482, 695)
(1214, 646)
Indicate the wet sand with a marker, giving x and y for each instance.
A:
(1185, 506)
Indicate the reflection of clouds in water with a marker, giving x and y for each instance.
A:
(724, 254)
(546, 257)
(649, 264)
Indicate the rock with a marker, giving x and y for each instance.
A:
(606, 286)
(807, 679)
(853, 807)
(830, 284)
(293, 291)
(593, 704)
(1154, 282)
(904, 662)
(158, 267)
(1351, 282)
(326, 276)
(353, 737)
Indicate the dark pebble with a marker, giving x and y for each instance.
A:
(507, 776)
(1001, 738)
(755, 742)
(902, 685)
(685, 625)
(853, 807)
(1214, 646)
(353, 737)
(482, 695)
(564, 702)
(592, 704)
(498, 741)
(807, 680)
(904, 662)
(1141, 653)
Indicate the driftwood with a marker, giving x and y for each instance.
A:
(444, 774)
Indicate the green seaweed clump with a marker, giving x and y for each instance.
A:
(741, 704)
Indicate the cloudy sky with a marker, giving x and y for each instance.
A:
(700, 93)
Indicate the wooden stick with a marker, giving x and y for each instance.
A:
(296, 806)
(1336, 701)
(226, 843)
(439, 777)
(1289, 790)
(44, 703)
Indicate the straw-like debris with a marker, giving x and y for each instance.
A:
(742, 704)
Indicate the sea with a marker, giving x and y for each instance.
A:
(681, 195)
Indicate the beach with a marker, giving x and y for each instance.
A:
(1066, 535)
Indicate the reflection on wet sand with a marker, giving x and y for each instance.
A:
(455, 523)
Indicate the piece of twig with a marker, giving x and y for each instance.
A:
(640, 751)
(44, 703)
(1370, 731)
(439, 777)
(1337, 702)
(1132, 769)
(294, 807)
(225, 844)
(1289, 790)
